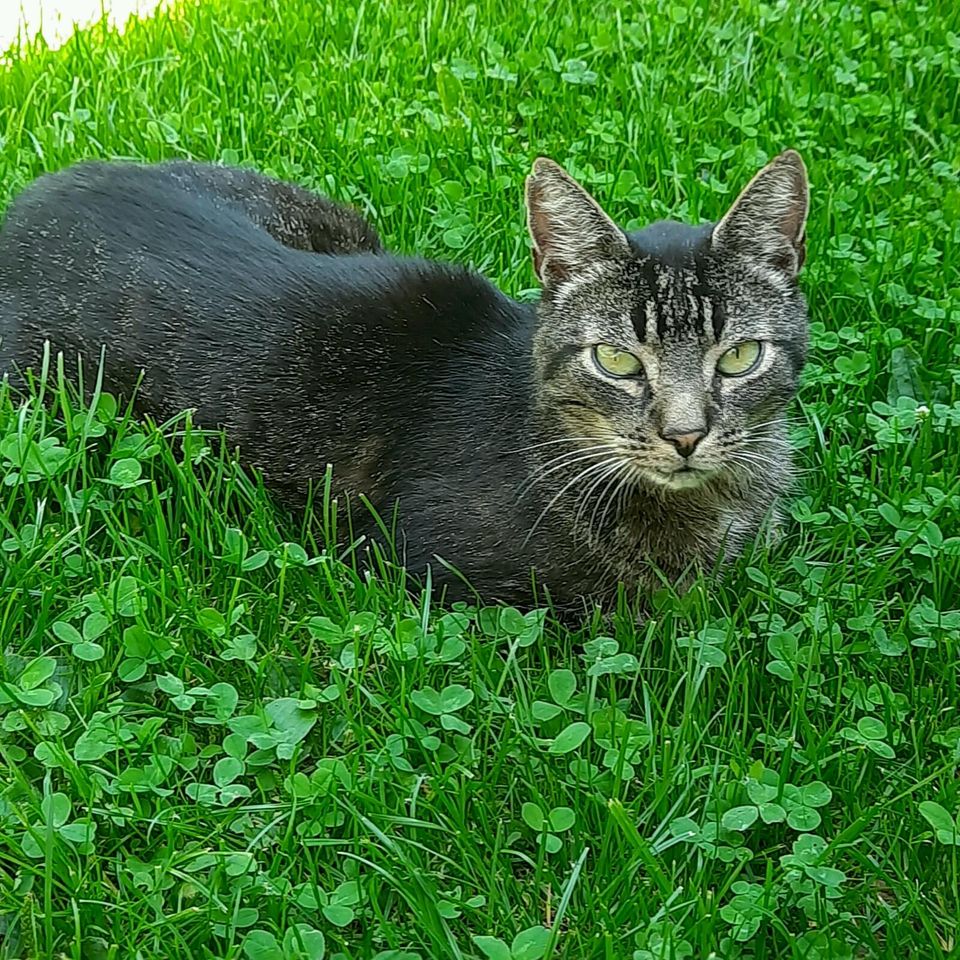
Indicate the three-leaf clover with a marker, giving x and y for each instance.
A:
(445, 704)
(56, 809)
(548, 824)
(529, 944)
(945, 827)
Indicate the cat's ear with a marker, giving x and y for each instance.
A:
(766, 222)
(568, 228)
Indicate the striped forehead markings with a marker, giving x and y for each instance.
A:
(672, 295)
(713, 306)
(651, 321)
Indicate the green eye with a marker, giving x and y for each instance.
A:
(740, 359)
(616, 362)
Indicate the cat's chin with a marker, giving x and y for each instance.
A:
(689, 478)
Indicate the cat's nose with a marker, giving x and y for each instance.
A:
(684, 439)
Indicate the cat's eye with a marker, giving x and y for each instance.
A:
(740, 359)
(616, 362)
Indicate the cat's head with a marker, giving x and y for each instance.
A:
(676, 347)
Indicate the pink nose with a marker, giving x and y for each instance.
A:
(685, 440)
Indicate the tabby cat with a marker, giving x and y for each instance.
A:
(629, 427)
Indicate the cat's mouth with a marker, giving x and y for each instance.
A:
(685, 477)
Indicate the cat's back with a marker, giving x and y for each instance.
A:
(126, 225)
(119, 257)
(305, 359)
(118, 207)
(295, 216)
(124, 256)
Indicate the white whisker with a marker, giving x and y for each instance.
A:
(585, 499)
(610, 491)
(547, 443)
(754, 458)
(619, 496)
(777, 441)
(579, 477)
(567, 459)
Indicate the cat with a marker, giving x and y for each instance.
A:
(292, 215)
(628, 428)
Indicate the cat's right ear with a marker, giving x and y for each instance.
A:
(568, 228)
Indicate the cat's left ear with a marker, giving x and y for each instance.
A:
(568, 228)
(767, 221)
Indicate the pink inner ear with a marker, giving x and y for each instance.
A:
(537, 261)
(793, 223)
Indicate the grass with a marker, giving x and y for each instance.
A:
(218, 741)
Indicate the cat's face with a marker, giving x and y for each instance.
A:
(672, 351)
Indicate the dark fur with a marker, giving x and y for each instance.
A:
(292, 215)
(420, 382)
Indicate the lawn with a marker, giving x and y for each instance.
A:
(218, 740)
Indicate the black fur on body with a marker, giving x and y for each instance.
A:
(293, 216)
(420, 382)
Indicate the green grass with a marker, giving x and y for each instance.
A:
(218, 741)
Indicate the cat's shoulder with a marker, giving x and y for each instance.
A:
(445, 301)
